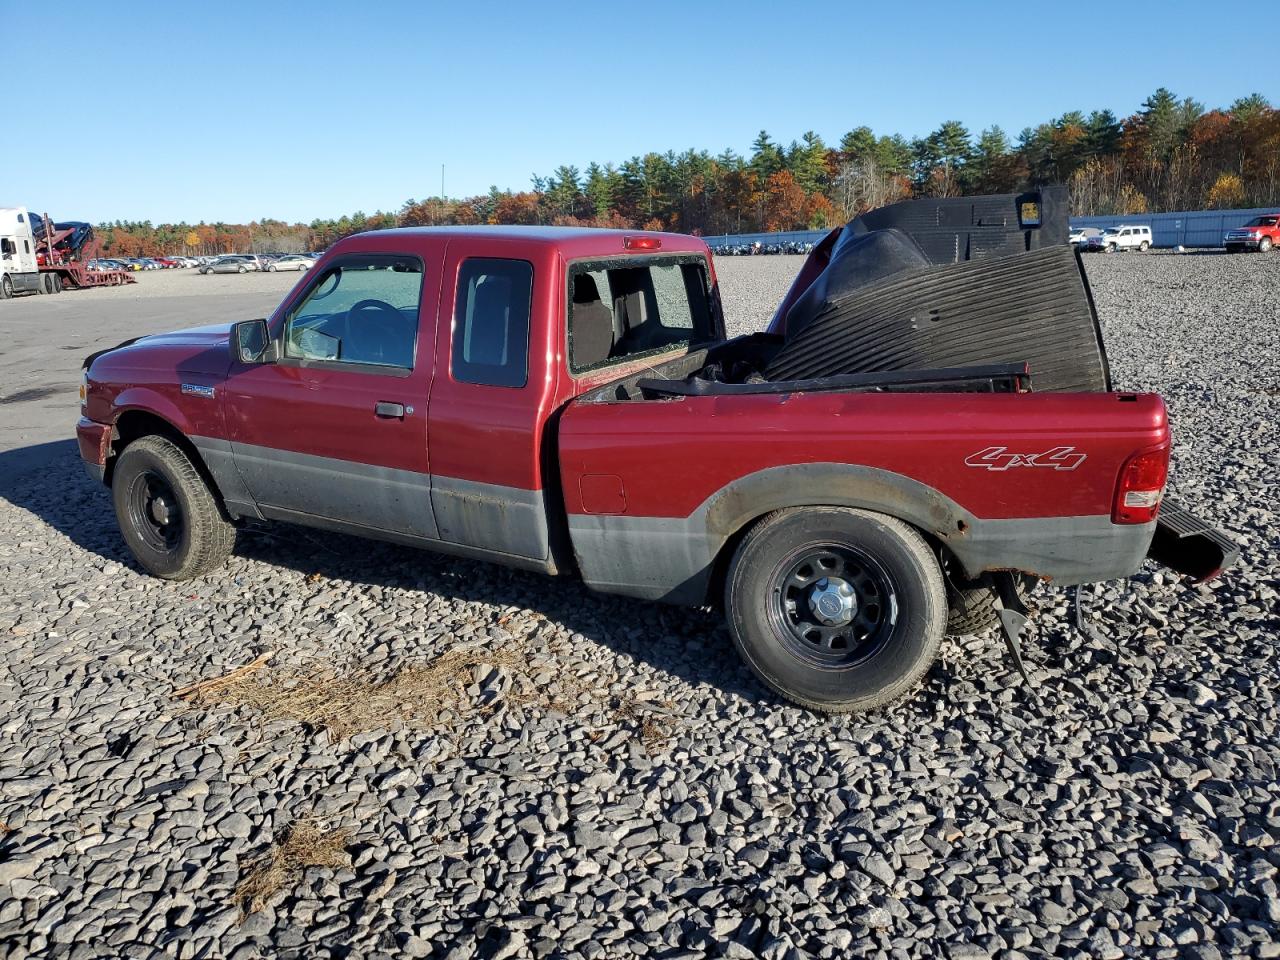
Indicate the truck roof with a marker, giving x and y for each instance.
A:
(571, 241)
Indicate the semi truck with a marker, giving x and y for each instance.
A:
(40, 256)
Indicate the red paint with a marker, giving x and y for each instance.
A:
(672, 456)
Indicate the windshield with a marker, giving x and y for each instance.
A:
(1262, 222)
(633, 306)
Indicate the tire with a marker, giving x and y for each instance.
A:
(303, 269)
(895, 618)
(972, 610)
(57, 283)
(1111, 248)
(167, 514)
(1264, 245)
(6, 287)
(1143, 247)
(44, 284)
(243, 270)
(271, 268)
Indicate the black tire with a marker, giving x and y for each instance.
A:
(6, 287)
(1111, 248)
(1264, 245)
(973, 608)
(167, 514)
(57, 283)
(243, 270)
(899, 607)
(44, 284)
(1143, 247)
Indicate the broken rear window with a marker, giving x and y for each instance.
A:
(627, 308)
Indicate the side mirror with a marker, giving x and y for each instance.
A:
(251, 342)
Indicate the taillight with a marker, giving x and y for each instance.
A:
(1141, 486)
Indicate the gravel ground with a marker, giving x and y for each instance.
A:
(587, 776)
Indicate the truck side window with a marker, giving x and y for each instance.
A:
(363, 310)
(491, 322)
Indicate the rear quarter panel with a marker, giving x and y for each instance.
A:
(684, 475)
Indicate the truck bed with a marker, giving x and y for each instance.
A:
(655, 487)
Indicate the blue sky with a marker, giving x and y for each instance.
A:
(237, 111)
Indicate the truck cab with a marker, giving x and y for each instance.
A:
(19, 271)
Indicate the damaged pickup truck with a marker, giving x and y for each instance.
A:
(873, 472)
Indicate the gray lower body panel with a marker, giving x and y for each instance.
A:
(671, 559)
(484, 520)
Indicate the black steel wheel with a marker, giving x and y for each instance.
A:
(168, 516)
(837, 609)
(833, 604)
(154, 511)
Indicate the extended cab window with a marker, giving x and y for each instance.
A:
(491, 322)
(363, 309)
(626, 308)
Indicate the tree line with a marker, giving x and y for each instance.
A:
(1172, 154)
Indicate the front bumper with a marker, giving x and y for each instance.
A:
(94, 440)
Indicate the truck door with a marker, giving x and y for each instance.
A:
(490, 400)
(334, 433)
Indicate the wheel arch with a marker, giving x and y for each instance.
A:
(134, 423)
(733, 511)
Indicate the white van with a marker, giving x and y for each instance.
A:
(1122, 237)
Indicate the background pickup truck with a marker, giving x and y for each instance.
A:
(1260, 233)
(566, 401)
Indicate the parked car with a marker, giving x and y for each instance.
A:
(1260, 233)
(291, 261)
(628, 457)
(1079, 236)
(233, 263)
(1123, 237)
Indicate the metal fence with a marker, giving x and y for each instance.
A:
(1189, 228)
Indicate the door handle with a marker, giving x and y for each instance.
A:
(388, 410)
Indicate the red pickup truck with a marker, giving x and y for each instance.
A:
(1260, 233)
(566, 401)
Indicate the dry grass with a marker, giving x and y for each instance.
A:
(655, 729)
(302, 844)
(431, 694)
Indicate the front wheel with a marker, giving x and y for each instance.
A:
(836, 609)
(1264, 244)
(167, 514)
(1111, 248)
(271, 268)
(6, 287)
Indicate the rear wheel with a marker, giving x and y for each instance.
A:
(1143, 246)
(57, 282)
(243, 270)
(44, 284)
(836, 609)
(167, 514)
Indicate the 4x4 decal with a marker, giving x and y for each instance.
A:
(999, 458)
